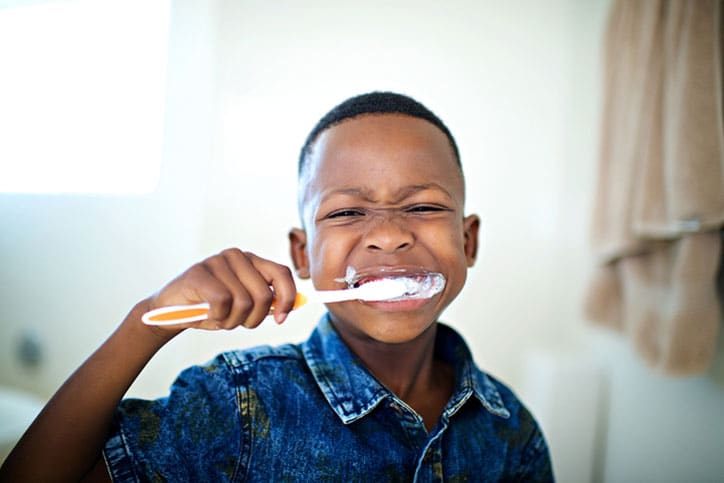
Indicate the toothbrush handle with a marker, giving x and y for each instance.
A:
(182, 314)
(332, 296)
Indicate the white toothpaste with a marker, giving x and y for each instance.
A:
(419, 284)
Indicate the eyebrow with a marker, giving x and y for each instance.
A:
(400, 195)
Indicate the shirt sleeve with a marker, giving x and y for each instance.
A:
(193, 434)
(535, 464)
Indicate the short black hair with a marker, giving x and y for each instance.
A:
(374, 103)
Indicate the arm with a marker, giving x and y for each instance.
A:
(77, 419)
(65, 442)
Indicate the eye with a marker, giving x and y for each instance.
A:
(346, 213)
(425, 209)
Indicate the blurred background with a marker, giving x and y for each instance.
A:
(138, 137)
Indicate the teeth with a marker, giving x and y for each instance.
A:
(418, 285)
(421, 286)
(360, 282)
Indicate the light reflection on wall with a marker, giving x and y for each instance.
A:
(82, 94)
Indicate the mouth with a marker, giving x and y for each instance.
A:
(419, 282)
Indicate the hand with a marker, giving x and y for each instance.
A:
(239, 287)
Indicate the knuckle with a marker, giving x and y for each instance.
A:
(214, 261)
(251, 323)
(231, 252)
(285, 270)
(221, 299)
(196, 271)
(228, 325)
(243, 304)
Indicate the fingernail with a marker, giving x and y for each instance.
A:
(281, 317)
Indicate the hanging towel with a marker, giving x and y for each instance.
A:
(659, 203)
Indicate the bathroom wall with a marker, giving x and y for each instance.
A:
(517, 82)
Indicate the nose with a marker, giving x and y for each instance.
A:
(388, 235)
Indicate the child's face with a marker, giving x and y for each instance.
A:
(384, 192)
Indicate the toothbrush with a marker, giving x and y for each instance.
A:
(376, 290)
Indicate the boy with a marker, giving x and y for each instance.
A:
(380, 391)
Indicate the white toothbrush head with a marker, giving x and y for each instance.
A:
(402, 287)
(382, 289)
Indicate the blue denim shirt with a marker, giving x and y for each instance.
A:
(313, 412)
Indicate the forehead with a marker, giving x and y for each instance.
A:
(381, 152)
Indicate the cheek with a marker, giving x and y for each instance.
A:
(447, 243)
(327, 258)
(446, 235)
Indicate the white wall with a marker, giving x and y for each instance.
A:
(518, 84)
(73, 265)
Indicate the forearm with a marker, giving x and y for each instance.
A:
(67, 438)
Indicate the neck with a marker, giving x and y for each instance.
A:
(409, 370)
(405, 368)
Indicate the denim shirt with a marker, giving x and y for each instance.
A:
(313, 412)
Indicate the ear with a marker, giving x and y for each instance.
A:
(298, 251)
(471, 226)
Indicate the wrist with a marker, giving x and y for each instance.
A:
(157, 336)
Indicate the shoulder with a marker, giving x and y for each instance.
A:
(201, 431)
(507, 396)
(500, 399)
(263, 354)
(231, 371)
(264, 365)
(522, 435)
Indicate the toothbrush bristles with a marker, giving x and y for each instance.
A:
(404, 287)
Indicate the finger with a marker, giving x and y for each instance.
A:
(227, 298)
(230, 312)
(255, 284)
(250, 294)
(197, 284)
(281, 280)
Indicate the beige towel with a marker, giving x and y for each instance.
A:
(660, 197)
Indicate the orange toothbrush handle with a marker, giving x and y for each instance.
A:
(181, 314)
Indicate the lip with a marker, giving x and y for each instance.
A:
(399, 305)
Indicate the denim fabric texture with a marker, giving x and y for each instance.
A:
(313, 412)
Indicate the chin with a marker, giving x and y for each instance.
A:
(395, 338)
(385, 322)
(393, 330)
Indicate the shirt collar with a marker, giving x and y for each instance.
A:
(353, 392)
